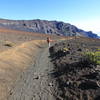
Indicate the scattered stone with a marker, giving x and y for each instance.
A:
(98, 83)
(89, 84)
(68, 45)
(71, 58)
(11, 93)
(50, 84)
(79, 49)
(36, 77)
(98, 68)
(68, 83)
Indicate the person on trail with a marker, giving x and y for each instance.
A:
(48, 41)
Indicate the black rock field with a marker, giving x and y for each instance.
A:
(78, 78)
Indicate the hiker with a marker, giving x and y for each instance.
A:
(48, 41)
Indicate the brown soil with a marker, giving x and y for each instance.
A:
(25, 67)
(15, 38)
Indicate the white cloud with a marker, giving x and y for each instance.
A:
(89, 25)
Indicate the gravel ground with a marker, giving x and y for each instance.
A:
(36, 82)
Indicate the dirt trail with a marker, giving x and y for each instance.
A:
(35, 83)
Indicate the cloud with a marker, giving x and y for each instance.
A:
(89, 25)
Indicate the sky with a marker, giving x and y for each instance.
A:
(84, 14)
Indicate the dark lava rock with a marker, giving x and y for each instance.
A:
(79, 49)
(78, 78)
(97, 98)
(94, 75)
(89, 84)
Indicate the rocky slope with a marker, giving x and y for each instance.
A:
(78, 77)
(47, 27)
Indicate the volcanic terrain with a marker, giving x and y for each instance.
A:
(78, 76)
(30, 70)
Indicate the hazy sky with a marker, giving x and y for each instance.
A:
(84, 14)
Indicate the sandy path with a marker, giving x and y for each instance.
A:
(35, 83)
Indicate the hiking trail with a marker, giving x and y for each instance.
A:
(35, 83)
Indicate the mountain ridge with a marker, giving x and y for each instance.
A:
(47, 27)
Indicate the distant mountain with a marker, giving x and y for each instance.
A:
(47, 27)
